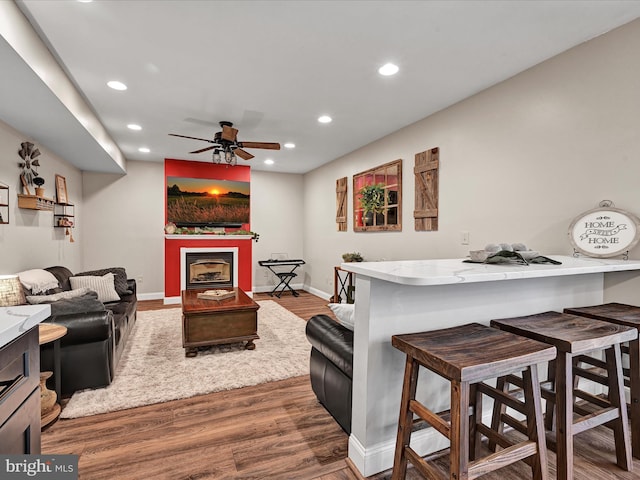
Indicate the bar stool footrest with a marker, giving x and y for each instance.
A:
(507, 456)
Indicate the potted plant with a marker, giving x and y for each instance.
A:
(39, 181)
(352, 257)
(372, 201)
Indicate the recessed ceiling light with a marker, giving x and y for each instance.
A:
(144, 150)
(268, 161)
(388, 69)
(116, 85)
(325, 119)
(133, 126)
(289, 145)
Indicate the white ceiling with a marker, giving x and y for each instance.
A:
(272, 67)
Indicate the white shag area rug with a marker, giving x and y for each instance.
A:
(154, 369)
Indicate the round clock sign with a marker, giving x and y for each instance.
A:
(604, 232)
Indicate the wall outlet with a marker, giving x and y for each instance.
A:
(139, 279)
(464, 238)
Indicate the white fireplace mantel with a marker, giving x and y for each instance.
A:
(208, 237)
(174, 266)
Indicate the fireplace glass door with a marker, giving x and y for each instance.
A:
(209, 270)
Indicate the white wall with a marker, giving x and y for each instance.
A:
(125, 215)
(30, 239)
(123, 223)
(277, 215)
(517, 162)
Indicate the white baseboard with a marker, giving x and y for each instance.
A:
(150, 296)
(379, 458)
(318, 293)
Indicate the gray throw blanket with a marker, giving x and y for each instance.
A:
(86, 303)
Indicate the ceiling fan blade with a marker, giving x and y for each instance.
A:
(192, 138)
(229, 133)
(267, 145)
(204, 149)
(243, 154)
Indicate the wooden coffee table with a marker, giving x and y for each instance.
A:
(212, 322)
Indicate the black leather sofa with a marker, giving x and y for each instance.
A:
(96, 335)
(331, 366)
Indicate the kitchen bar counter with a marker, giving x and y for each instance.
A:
(20, 376)
(412, 296)
(444, 272)
(14, 321)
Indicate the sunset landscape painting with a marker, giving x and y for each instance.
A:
(202, 202)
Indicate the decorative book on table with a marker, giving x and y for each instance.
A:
(216, 294)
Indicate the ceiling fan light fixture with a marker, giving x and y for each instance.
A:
(289, 145)
(134, 126)
(325, 119)
(144, 150)
(268, 161)
(388, 69)
(226, 147)
(230, 157)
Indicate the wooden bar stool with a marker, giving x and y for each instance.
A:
(628, 315)
(466, 356)
(575, 337)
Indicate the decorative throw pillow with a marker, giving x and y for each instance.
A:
(38, 280)
(103, 286)
(344, 313)
(36, 299)
(120, 278)
(11, 291)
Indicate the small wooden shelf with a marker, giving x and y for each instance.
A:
(33, 202)
(4, 204)
(63, 215)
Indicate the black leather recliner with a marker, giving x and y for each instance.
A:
(331, 366)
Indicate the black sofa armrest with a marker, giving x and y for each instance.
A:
(333, 340)
(131, 285)
(85, 327)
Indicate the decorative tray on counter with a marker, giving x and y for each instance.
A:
(508, 257)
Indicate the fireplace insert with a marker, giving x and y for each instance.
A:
(209, 270)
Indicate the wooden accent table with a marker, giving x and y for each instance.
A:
(212, 322)
(50, 332)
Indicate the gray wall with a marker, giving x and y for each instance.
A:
(518, 161)
(125, 216)
(30, 240)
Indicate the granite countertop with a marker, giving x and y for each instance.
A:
(451, 271)
(14, 321)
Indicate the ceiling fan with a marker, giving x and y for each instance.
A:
(225, 145)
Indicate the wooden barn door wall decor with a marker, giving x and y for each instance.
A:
(341, 204)
(426, 186)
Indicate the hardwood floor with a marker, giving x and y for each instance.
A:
(271, 431)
